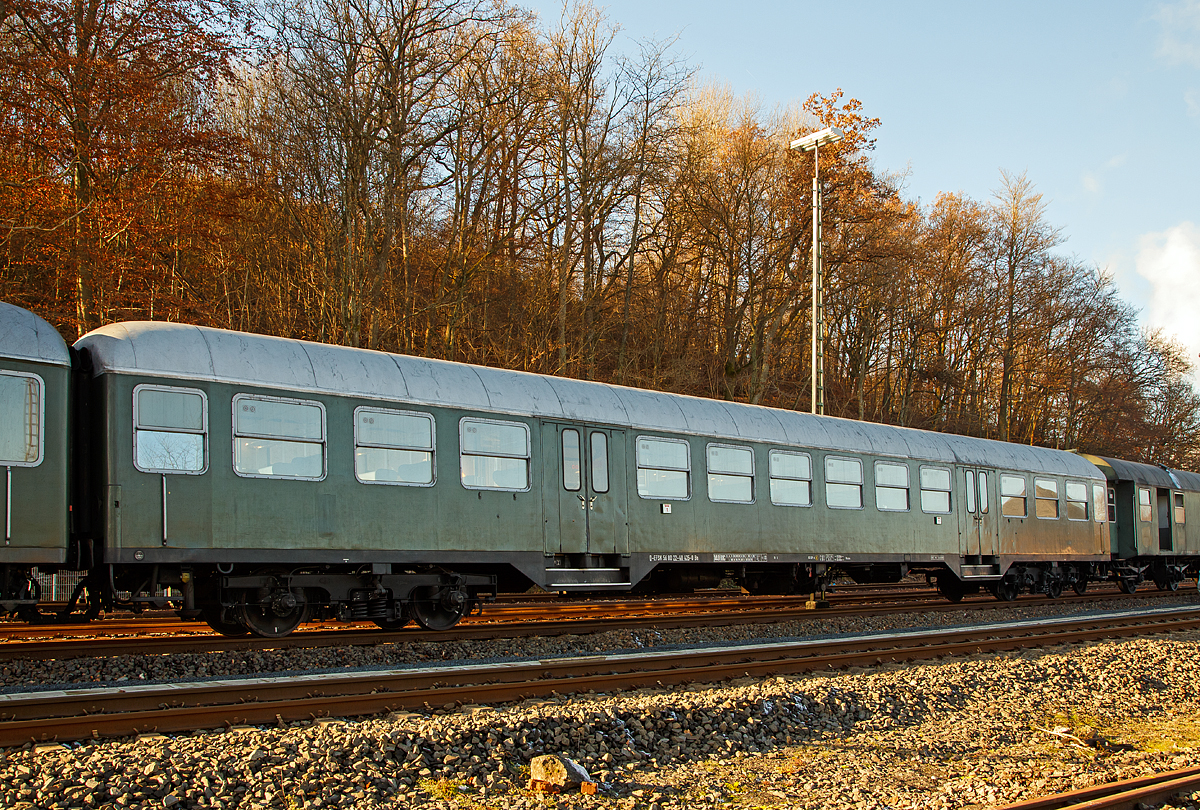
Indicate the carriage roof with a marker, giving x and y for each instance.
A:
(26, 336)
(202, 353)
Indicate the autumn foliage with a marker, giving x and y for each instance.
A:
(456, 179)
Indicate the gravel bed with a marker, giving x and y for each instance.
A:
(30, 675)
(965, 732)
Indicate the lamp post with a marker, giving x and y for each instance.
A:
(813, 143)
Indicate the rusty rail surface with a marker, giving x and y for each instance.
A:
(193, 637)
(183, 637)
(1124, 795)
(78, 714)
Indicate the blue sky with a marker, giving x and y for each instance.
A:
(1098, 102)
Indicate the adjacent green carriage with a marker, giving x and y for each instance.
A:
(35, 382)
(1149, 508)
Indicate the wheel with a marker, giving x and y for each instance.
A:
(1006, 590)
(951, 588)
(273, 613)
(395, 624)
(1079, 586)
(1167, 584)
(1054, 588)
(1126, 585)
(438, 607)
(212, 617)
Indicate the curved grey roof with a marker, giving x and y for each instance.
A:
(1153, 476)
(25, 336)
(194, 352)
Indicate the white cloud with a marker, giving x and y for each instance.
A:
(1192, 99)
(1180, 43)
(1093, 179)
(1170, 263)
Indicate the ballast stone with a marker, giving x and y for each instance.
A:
(554, 773)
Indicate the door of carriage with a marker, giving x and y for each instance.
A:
(585, 490)
(981, 535)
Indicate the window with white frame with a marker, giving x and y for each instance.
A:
(1145, 509)
(891, 486)
(843, 483)
(1013, 496)
(1045, 496)
(791, 478)
(935, 490)
(275, 437)
(22, 405)
(393, 447)
(663, 468)
(730, 474)
(1077, 500)
(170, 429)
(494, 455)
(1179, 513)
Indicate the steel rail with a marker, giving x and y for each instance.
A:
(356, 636)
(78, 714)
(1123, 795)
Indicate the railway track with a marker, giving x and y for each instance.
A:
(82, 713)
(126, 637)
(1124, 795)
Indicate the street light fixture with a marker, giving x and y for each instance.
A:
(813, 143)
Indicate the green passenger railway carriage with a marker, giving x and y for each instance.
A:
(268, 481)
(35, 380)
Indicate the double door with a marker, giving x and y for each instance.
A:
(585, 490)
(982, 535)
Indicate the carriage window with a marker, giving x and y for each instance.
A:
(1099, 511)
(21, 427)
(983, 495)
(935, 490)
(891, 487)
(730, 474)
(278, 438)
(572, 478)
(494, 455)
(1146, 512)
(1179, 507)
(393, 447)
(663, 467)
(791, 478)
(599, 466)
(1112, 505)
(1077, 498)
(170, 429)
(1013, 496)
(1045, 493)
(843, 483)
(970, 492)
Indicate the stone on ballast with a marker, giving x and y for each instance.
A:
(553, 773)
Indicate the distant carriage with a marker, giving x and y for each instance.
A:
(267, 481)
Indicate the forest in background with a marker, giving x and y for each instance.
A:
(459, 179)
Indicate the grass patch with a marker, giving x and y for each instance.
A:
(1158, 734)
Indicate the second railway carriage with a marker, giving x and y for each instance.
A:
(271, 480)
(35, 383)
(1148, 508)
